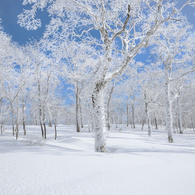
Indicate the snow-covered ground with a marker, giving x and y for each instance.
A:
(135, 164)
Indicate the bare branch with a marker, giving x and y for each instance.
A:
(124, 26)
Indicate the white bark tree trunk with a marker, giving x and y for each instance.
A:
(99, 120)
(77, 107)
(55, 129)
(127, 109)
(108, 107)
(180, 116)
(23, 117)
(156, 124)
(133, 116)
(168, 112)
(81, 115)
(17, 119)
(147, 115)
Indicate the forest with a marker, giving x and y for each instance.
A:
(100, 63)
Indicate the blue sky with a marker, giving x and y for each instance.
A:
(9, 10)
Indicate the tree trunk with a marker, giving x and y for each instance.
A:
(13, 129)
(168, 112)
(108, 107)
(45, 130)
(12, 113)
(17, 119)
(156, 124)
(81, 116)
(99, 115)
(149, 128)
(24, 128)
(192, 123)
(2, 118)
(77, 107)
(133, 116)
(180, 116)
(147, 117)
(1, 127)
(55, 130)
(91, 123)
(44, 125)
(127, 109)
(23, 118)
(42, 132)
(41, 123)
(17, 131)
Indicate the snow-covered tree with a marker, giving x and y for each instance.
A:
(174, 51)
(43, 78)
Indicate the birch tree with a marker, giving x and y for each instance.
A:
(173, 50)
(44, 81)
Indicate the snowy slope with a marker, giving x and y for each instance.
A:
(135, 164)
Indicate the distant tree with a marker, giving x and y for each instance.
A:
(44, 81)
(173, 50)
(148, 80)
(74, 62)
(9, 80)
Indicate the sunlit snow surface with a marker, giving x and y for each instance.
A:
(135, 164)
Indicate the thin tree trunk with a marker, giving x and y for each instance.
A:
(133, 116)
(192, 123)
(17, 131)
(41, 123)
(127, 109)
(23, 117)
(1, 127)
(44, 125)
(108, 107)
(146, 112)
(1, 118)
(45, 130)
(77, 107)
(92, 122)
(55, 128)
(180, 116)
(17, 119)
(24, 128)
(81, 116)
(88, 125)
(40, 109)
(156, 124)
(13, 129)
(42, 132)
